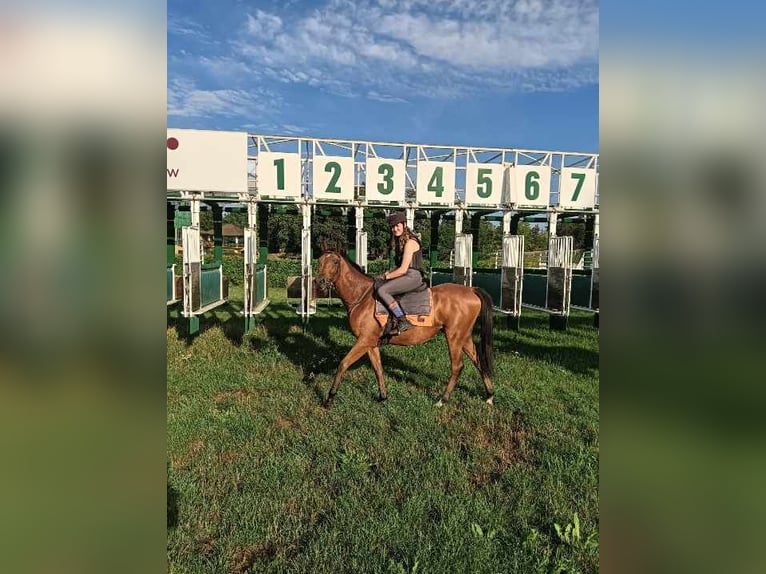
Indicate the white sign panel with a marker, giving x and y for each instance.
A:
(483, 183)
(333, 177)
(279, 175)
(577, 188)
(436, 182)
(385, 179)
(531, 185)
(212, 161)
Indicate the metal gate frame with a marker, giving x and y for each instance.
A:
(463, 270)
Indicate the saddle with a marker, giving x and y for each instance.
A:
(416, 306)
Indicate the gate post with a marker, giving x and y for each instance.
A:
(433, 255)
(307, 284)
(475, 225)
(361, 239)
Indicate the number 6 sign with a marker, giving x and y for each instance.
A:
(531, 185)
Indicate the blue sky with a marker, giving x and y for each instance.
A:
(455, 72)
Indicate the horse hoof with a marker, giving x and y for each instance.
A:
(382, 398)
(440, 404)
(491, 400)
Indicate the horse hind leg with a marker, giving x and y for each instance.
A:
(470, 349)
(456, 359)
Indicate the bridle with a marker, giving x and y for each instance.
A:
(332, 280)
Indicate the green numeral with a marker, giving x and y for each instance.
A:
(484, 180)
(387, 171)
(580, 177)
(532, 186)
(334, 167)
(435, 183)
(280, 165)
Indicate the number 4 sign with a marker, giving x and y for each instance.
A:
(436, 182)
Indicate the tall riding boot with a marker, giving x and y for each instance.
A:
(403, 324)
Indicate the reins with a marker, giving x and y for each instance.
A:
(359, 300)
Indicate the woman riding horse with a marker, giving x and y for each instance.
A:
(408, 275)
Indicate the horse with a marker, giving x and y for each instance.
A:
(455, 309)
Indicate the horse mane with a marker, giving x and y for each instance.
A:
(352, 264)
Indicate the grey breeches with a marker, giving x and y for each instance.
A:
(411, 280)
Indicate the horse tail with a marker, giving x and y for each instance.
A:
(486, 359)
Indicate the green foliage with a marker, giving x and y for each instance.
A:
(280, 269)
(571, 535)
(284, 233)
(233, 269)
(206, 220)
(237, 218)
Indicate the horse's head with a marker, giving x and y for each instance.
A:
(329, 269)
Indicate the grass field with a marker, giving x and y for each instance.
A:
(261, 478)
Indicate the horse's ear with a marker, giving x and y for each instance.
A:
(323, 244)
(340, 247)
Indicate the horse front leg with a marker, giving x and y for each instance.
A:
(360, 348)
(377, 365)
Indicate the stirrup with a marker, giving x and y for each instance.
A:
(403, 324)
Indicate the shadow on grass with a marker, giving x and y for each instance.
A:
(172, 505)
(540, 344)
(317, 350)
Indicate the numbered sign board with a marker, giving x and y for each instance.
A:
(279, 175)
(436, 182)
(483, 183)
(385, 179)
(333, 177)
(530, 185)
(577, 188)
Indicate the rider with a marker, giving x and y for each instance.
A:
(407, 276)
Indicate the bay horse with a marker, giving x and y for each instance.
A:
(455, 309)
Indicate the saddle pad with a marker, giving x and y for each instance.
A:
(416, 306)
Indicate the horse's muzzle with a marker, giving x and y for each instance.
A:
(324, 283)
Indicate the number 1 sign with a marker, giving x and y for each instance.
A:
(279, 175)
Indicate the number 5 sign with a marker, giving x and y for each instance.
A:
(483, 183)
(577, 188)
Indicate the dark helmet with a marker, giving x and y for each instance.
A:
(397, 217)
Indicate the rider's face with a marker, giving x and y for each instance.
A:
(397, 229)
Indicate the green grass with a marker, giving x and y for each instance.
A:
(262, 479)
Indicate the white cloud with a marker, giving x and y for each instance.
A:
(186, 100)
(392, 50)
(263, 24)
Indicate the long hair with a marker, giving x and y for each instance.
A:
(399, 242)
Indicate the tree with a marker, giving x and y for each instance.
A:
(576, 230)
(236, 218)
(206, 220)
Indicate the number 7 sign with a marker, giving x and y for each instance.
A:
(577, 188)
